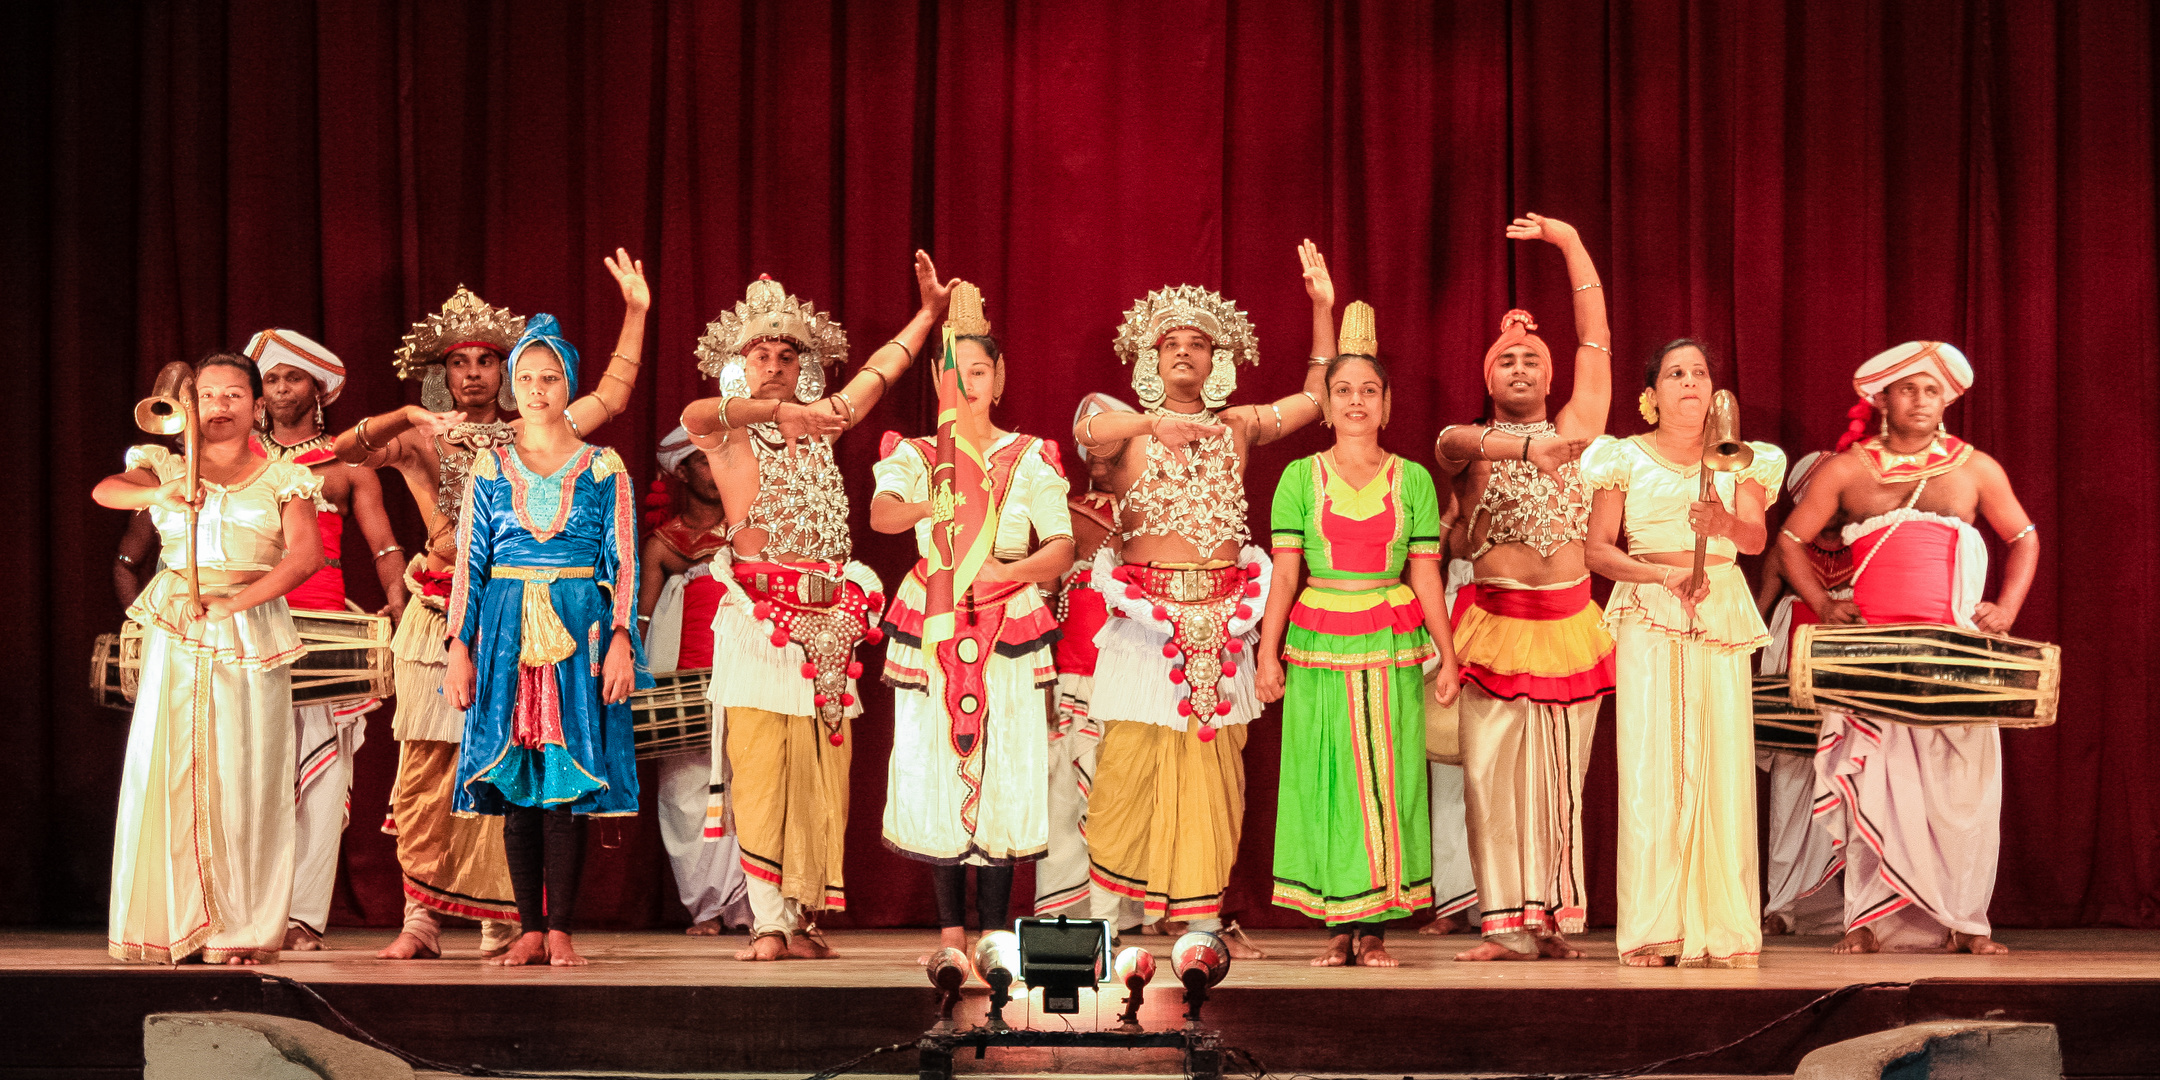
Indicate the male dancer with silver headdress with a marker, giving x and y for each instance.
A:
(796, 604)
(455, 865)
(1174, 681)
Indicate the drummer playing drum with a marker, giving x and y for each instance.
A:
(1923, 864)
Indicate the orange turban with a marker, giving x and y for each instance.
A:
(1515, 327)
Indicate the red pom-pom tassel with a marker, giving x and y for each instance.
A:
(1252, 570)
(1132, 592)
(834, 738)
(1222, 708)
(1161, 613)
(847, 700)
(779, 639)
(854, 669)
(818, 700)
(1169, 650)
(1121, 573)
(809, 671)
(1244, 611)
(1207, 734)
(873, 635)
(1229, 671)
(1234, 645)
(1252, 589)
(1177, 675)
(1184, 708)
(761, 610)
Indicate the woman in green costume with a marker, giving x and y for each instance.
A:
(1352, 843)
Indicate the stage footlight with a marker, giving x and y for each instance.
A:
(948, 972)
(1134, 966)
(1062, 955)
(1201, 960)
(997, 960)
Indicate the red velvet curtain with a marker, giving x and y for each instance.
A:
(1799, 184)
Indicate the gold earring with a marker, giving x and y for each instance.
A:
(1647, 406)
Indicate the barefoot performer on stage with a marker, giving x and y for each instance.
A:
(796, 604)
(1535, 660)
(677, 598)
(971, 749)
(1352, 841)
(1916, 811)
(203, 846)
(1685, 626)
(1174, 683)
(454, 865)
(545, 654)
(300, 378)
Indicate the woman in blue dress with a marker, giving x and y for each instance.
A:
(544, 657)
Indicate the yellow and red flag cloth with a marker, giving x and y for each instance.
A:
(961, 535)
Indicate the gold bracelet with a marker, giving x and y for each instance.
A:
(360, 432)
(621, 357)
(2028, 530)
(1087, 430)
(903, 348)
(1598, 347)
(627, 384)
(1592, 285)
(1278, 418)
(884, 384)
(388, 550)
(574, 428)
(1787, 534)
(849, 402)
(725, 423)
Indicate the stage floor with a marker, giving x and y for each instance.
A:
(662, 1001)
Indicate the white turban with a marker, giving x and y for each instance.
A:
(1803, 471)
(675, 449)
(273, 347)
(1096, 403)
(1936, 358)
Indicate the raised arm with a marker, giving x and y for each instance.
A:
(612, 394)
(386, 441)
(1267, 423)
(891, 360)
(1589, 405)
(388, 557)
(1999, 505)
(1461, 444)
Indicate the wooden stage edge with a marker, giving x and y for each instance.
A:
(663, 1002)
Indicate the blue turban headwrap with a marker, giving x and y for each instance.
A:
(544, 330)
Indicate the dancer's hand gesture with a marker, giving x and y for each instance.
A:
(630, 274)
(1539, 227)
(935, 294)
(1318, 284)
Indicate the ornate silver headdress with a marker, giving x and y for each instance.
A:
(768, 313)
(1186, 307)
(465, 319)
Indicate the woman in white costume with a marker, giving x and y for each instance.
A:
(203, 846)
(971, 788)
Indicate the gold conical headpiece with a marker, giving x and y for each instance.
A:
(965, 313)
(465, 319)
(1358, 335)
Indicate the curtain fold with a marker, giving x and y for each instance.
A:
(1799, 184)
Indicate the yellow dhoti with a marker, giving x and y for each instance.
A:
(790, 800)
(1165, 816)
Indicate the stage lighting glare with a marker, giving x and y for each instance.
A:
(1063, 955)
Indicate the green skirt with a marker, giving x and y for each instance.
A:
(1353, 834)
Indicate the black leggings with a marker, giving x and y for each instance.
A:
(545, 847)
(993, 895)
(1373, 928)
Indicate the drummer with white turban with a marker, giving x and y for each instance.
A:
(1915, 811)
(677, 597)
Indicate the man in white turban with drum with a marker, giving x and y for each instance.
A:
(1915, 810)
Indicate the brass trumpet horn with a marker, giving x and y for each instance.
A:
(1723, 450)
(171, 404)
(170, 410)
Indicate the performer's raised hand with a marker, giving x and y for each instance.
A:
(1175, 433)
(630, 274)
(458, 677)
(618, 673)
(935, 294)
(430, 424)
(1318, 285)
(1550, 452)
(1539, 227)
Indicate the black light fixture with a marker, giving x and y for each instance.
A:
(1063, 955)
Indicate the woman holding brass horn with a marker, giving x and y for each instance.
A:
(203, 846)
(1685, 625)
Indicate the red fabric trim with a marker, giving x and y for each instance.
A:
(1545, 689)
(1543, 605)
(902, 618)
(1402, 618)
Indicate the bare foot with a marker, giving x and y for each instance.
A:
(1557, 948)
(1164, 928)
(1775, 925)
(1859, 939)
(765, 947)
(1447, 924)
(531, 947)
(703, 928)
(1647, 960)
(949, 937)
(808, 944)
(249, 960)
(1976, 944)
(1492, 950)
(1336, 954)
(561, 953)
(301, 939)
(408, 947)
(1240, 946)
(1372, 952)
